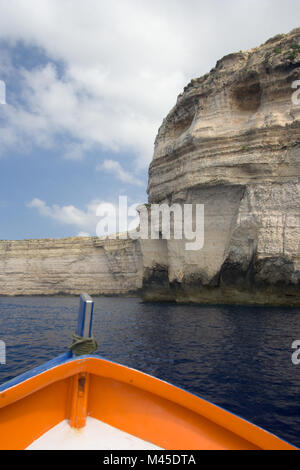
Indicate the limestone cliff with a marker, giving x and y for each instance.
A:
(232, 143)
(70, 266)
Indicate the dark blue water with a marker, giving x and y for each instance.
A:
(236, 357)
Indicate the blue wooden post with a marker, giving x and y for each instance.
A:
(85, 316)
(2, 353)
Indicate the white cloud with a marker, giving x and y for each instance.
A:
(86, 221)
(123, 65)
(114, 167)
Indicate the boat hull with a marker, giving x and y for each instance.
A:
(128, 400)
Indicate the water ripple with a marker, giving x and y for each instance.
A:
(237, 357)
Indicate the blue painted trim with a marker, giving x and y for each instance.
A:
(66, 357)
(81, 317)
(84, 304)
(57, 361)
(91, 320)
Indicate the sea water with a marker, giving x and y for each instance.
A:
(239, 358)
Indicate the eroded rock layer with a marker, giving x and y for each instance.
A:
(232, 143)
(70, 266)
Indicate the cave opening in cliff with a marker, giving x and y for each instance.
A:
(247, 97)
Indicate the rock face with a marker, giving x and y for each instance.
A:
(232, 143)
(70, 266)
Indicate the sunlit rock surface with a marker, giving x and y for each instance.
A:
(70, 266)
(232, 143)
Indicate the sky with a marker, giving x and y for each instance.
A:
(88, 84)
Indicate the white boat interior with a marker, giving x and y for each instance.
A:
(96, 435)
